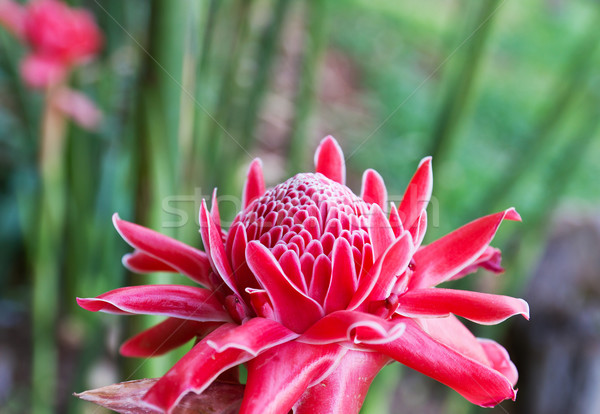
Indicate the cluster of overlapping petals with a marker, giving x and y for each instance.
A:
(315, 289)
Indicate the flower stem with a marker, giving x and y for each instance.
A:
(46, 259)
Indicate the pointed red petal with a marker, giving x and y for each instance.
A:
(290, 264)
(185, 259)
(329, 160)
(476, 382)
(140, 262)
(255, 183)
(417, 194)
(418, 230)
(320, 278)
(395, 221)
(393, 268)
(214, 212)
(242, 273)
(380, 231)
(285, 296)
(444, 258)
(381, 277)
(345, 389)
(203, 363)
(351, 326)
(213, 244)
(500, 360)
(279, 376)
(167, 335)
(483, 308)
(178, 301)
(373, 188)
(343, 277)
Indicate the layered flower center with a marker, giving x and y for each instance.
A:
(301, 222)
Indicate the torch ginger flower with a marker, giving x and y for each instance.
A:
(315, 289)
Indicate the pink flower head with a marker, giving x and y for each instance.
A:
(59, 37)
(315, 289)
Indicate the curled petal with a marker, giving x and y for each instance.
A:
(257, 335)
(499, 359)
(255, 183)
(167, 335)
(285, 296)
(185, 259)
(478, 383)
(279, 376)
(439, 261)
(184, 302)
(203, 363)
(483, 308)
(344, 390)
(417, 194)
(329, 160)
(489, 260)
(352, 326)
(373, 188)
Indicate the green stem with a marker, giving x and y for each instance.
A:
(265, 57)
(460, 86)
(314, 43)
(46, 260)
(219, 128)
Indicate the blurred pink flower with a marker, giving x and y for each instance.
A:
(59, 37)
(316, 289)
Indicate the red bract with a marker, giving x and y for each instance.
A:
(316, 289)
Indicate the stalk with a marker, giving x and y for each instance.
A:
(265, 56)
(314, 43)
(460, 86)
(46, 254)
(157, 144)
(220, 143)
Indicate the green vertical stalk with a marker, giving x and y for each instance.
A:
(157, 146)
(460, 86)
(46, 261)
(314, 43)
(220, 144)
(266, 52)
(196, 171)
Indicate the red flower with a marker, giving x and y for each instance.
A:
(58, 36)
(316, 289)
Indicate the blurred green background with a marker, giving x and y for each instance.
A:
(504, 94)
